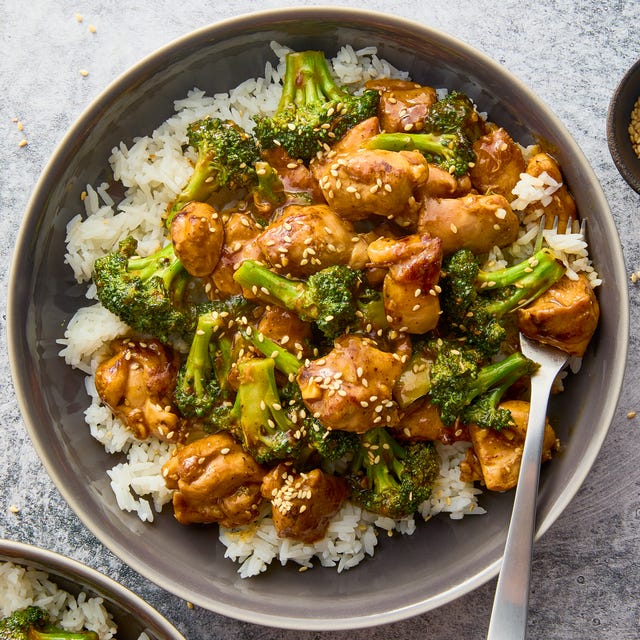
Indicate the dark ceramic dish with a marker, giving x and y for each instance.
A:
(618, 119)
(409, 574)
(130, 613)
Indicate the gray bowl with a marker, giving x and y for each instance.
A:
(408, 575)
(131, 614)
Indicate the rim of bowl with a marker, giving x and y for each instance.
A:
(281, 15)
(618, 117)
(89, 579)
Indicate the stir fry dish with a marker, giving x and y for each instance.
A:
(339, 293)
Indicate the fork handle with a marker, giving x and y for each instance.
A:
(510, 605)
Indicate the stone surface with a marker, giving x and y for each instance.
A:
(586, 567)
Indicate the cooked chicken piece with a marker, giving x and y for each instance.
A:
(353, 140)
(441, 184)
(420, 422)
(470, 468)
(565, 316)
(403, 104)
(137, 384)
(498, 165)
(303, 503)
(475, 222)
(306, 239)
(376, 182)
(562, 204)
(214, 480)
(286, 328)
(240, 233)
(197, 234)
(295, 176)
(409, 289)
(351, 387)
(500, 452)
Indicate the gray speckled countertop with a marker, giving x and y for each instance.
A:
(587, 567)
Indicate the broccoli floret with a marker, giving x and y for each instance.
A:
(457, 377)
(226, 159)
(266, 427)
(451, 151)
(329, 444)
(313, 110)
(146, 293)
(202, 380)
(327, 297)
(447, 136)
(475, 302)
(455, 113)
(390, 479)
(485, 412)
(32, 623)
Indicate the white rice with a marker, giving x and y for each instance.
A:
(152, 170)
(21, 587)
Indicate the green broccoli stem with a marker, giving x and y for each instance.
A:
(529, 279)
(271, 287)
(308, 80)
(414, 382)
(199, 366)
(269, 191)
(285, 361)
(199, 188)
(163, 264)
(423, 142)
(383, 459)
(502, 373)
(264, 425)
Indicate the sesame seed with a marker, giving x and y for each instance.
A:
(631, 415)
(84, 72)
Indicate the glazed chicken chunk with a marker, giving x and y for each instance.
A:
(306, 239)
(303, 503)
(500, 452)
(498, 165)
(137, 384)
(476, 222)
(197, 234)
(297, 179)
(286, 328)
(410, 285)
(351, 387)
(358, 182)
(240, 233)
(442, 184)
(403, 104)
(565, 316)
(376, 182)
(214, 480)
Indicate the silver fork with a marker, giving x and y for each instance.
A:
(511, 601)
